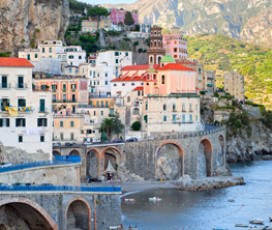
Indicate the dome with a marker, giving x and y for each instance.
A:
(168, 59)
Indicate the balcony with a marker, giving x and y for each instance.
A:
(64, 101)
(63, 90)
(14, 111)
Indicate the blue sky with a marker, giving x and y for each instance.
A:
(107, 1)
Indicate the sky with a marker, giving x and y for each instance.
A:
(95, 2)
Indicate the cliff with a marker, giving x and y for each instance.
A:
(246, 148)
(249, 20)
(24, 23)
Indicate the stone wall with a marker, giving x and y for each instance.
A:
(102, 210)
(140, 157)
(57, 175)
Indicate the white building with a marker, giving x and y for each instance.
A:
(104, 67)
(25, 115)
(49, 52)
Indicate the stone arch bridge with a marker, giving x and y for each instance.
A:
(198, 154)
(59, 210)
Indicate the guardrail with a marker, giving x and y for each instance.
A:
(60, 160)
(48, 188)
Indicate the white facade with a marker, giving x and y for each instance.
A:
(105, 67)
(25, 115)
(75, 55)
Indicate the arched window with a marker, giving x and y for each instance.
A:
(151, 59)
(123, 84)
(71, 56)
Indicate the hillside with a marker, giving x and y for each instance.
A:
(222, 53)
(250, 20)
(26, 22)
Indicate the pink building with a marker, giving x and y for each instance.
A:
(118, 16)
(175, 45)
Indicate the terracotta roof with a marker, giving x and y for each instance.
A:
(139, 67)
(15, 62)
(138, 88)
(122, 79)
(175, 66)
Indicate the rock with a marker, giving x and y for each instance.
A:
(23, 21)
(208, 183)
(270, 218)
(257, 221)
(126, 176)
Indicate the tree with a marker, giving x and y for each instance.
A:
(111, 125)
(136, 126)
(97, 12)
(128, 19)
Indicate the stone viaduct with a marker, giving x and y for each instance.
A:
(59, 210)
(198, 154)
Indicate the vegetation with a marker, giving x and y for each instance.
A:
(97, 12)
(136, 126)
(237, 122)
(77, 7)
(5, 54)
(128, 19)
(267, 119)
(111, 125)
(221, 53)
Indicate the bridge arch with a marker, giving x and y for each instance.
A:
(92, 163)
(74, 152)
(111, 154)
(78, 214)
(32, 213)
(56, 153)
(204, 158)
(169, 161)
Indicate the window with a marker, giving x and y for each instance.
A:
(54, 87)
(163, 79)
(72, 136)
(70, 57)
(132, 84)
(94, 113)
(123, 84)
(61, 123)
(146, 106)
(4, 104)
(116, 53)
(183, 107)
(42, 122)
(4, 82)
(175, 50)
(64, 97)
(42, 105)
(4, 122)
(21, 102)
(20, 138)
(43, 87)
(107, 104)
(79, 57)
(174, 107)
(54, 98)
(190, 107)
(64, 87)
(20, 82)
(50, 50)
(73, 86)
(28, 57)
(42, 138)
(114, 85)
(183, 117)
(106, 82)
(116, 61)
(106, 74)
(164, 107)
(126, 54)
(174, 117)
(72, 124)
(164, 118)
(191, 118)
(102, 113)
(20, 122)
(61, 136)
(43, 50)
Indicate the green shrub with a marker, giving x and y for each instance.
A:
(136, 126)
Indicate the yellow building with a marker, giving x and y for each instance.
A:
(234, 84)
(91, 25)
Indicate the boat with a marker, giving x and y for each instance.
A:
(155, 199)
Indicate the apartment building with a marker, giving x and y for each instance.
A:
(234, 84)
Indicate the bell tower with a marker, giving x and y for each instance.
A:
(156, 50)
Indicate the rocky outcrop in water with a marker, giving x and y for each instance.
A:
(25, 22)
(258, 145)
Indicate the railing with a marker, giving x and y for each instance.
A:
(49, 187)
(58, 161)
(65, 101)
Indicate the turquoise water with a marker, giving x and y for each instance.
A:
(217, 209)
